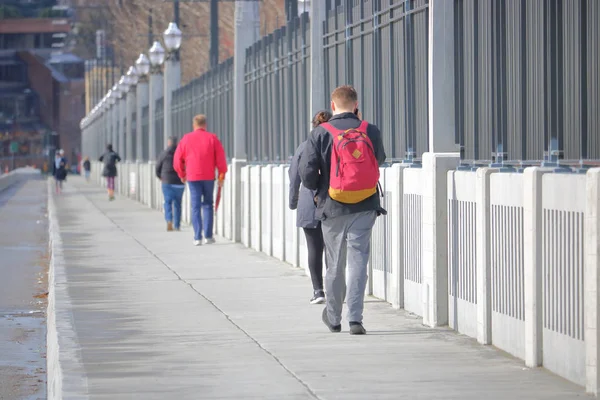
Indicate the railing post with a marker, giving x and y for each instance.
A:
(443, 156)
(592, 280)
(247, 24)
(484, 261)
(122, 104)
(142, 94)
(172, 82)
(130, 105)
(317, 57)
(532, 264)
(156, 92)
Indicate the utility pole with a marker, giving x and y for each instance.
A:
(214, 33)
(176, 20)
(150, 34)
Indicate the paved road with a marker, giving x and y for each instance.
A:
(156, 318)
(23, 273)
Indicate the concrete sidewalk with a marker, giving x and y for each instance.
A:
(142, 313)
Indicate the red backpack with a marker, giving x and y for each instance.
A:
(354, 171)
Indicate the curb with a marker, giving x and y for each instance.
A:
(62, 344)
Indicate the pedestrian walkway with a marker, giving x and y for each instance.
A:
(142, 313)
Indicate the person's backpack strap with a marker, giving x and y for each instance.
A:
(363, 127)
(331, 129)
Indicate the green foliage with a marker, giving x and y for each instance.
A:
(7, 12)
(50, 13)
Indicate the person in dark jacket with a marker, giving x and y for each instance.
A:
(346, 227)
(301, 199)
(172, 186)
(87, 168)
(110, 159)
(59, 170)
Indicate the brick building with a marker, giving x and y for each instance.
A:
(41, 85)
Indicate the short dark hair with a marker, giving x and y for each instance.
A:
(173, 139)
(109, 147)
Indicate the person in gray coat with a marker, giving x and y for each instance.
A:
(302, 200)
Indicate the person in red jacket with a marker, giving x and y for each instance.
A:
(197, 156)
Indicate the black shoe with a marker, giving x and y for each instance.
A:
(356, 328)
(318, 298)
(332, 328)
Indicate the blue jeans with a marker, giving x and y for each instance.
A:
(173, 195)
(201, 194)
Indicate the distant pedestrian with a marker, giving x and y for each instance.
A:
(341, 162)
(172, 186)
(110, 159)
(302, 199)
(59, 170)
(87, 168)
(197, 156)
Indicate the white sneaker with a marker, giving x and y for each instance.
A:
(197, 242)
(209, 240)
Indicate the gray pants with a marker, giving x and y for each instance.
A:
(347, 238)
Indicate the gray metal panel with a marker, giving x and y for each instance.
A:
(527, 73)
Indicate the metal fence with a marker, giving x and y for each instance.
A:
(277, 92)
(210, 94)
(526, 73)
(380, 47)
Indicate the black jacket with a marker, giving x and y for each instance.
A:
(60, 173)
(110, 159)
(315, 165)
(301, 199)
(87, 165)
(164, 167)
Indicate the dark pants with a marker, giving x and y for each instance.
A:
(110, 182)
(316, 245)
(201, 196)
(173, 195)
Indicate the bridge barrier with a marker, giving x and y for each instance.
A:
(523, 251)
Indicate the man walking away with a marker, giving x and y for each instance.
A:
(110, 159)
(87, 168)
(172, 186)
(198, 155)
(341, 162)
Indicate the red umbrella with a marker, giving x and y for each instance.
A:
(218, 200)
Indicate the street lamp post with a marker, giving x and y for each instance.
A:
(142, 68)
(130, 104)
(172, 74)
(157, 57)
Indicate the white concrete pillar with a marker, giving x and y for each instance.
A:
(317, 56)
(156, 92)
(141, 102)
(532, 259)
(122, 105)
(130, 105)
(114, 136)
(443, 155)
(247, 25)
(484, 261)
(171, 81)
(591, 279)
